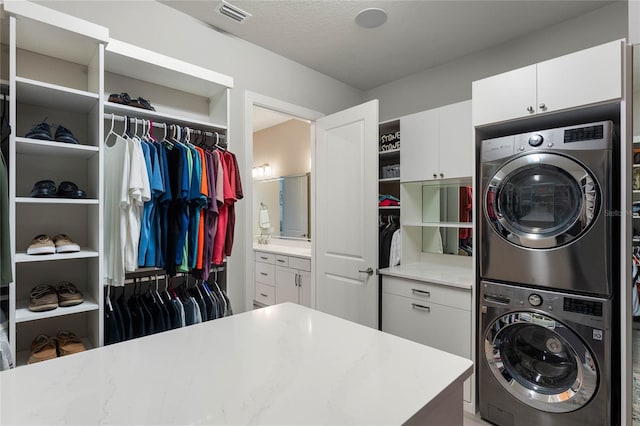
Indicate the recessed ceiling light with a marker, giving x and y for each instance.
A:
(371, 18)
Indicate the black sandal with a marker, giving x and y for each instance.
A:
(142, 103)
(120, 98)
(44, 189)
(68, 189)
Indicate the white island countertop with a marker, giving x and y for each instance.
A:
(284, 364)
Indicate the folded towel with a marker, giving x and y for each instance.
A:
(264, 219)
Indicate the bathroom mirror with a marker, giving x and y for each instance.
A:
(286, 200)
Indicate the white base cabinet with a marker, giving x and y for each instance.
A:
(434, 315)
(281, 278)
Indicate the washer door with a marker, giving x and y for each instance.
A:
(541, 362)
(541, 201)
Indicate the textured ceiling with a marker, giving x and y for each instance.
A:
(417, 35)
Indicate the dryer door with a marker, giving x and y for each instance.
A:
(541, 200)
(541, 362)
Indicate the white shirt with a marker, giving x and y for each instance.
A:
(116, 204)
(139, 191)
(395, 253)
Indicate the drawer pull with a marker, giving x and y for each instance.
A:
(263, 258)
(263, 295)
(264, 273)
(280, 260)
(421, 307)
(420, 292)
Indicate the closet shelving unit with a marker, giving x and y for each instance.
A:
(55, 74)
(388, 157)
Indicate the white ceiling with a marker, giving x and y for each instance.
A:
(418, 34)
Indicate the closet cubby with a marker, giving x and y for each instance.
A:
(55, 76)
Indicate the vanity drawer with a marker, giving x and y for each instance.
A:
(449, 296)
(265, 294)
(265, 273)
(265, 257)
(300, 263)
(282, 260)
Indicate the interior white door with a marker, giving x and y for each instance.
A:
(347, 208)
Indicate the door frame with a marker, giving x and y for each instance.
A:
(252, 99)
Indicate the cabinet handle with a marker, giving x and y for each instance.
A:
(542, 106)
(280, 260)
(435, 175)
(420, 292)
(263, 258)
(421, 307)
(441, 175)
(297, 281)
(264, 273)
(263, 295)
(529, 108)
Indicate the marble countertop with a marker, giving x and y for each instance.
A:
(455, 276)
(284, 364)
(289, 250)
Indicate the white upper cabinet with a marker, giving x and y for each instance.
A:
(582, 78)
(436, 144)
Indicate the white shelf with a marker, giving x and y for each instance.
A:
(52, 148)
(636, 191)
(110, 107)
(56, 200)
(23, 356)
(23, 257)
(389, 152)
(397, 179)
(439, 224)
(54, 96)
(636, 165)
(636, 139)
(146, 65)
(388, 207)
(23, 314)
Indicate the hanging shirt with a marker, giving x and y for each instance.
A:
(236, 188)
(116, 204)
(211, 217)
(6, 275)
(223, 214)
(183, 220)
(195, 205)
(175, 164)
(183, 264)
(204, 192)
(147, 246)
(139, 192)
(162, 219)
(395, 253)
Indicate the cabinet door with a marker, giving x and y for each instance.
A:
(456, 146)
(305, 288)
(581, 78)
(504, 96)
(286, 288)
(419, 147)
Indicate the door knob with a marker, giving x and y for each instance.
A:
(368, 271)
(530, 108)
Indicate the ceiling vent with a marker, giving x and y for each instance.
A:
(232, 12)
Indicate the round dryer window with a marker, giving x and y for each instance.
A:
(541, 200)
(541, 362)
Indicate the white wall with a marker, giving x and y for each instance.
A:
(451, 82)
(157, 27)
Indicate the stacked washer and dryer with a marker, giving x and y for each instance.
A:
(546, 254)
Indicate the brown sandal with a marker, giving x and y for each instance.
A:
(43, 348)
(69, 343)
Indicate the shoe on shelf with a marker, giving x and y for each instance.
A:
(69, 343)
(44, 189)
(68, 294)
(40, 131)
(120, 98)
(42, 298)
(64, 135)
(64, 244)
(141, 103)
(42, 244)
(43, 348)
(68, 189)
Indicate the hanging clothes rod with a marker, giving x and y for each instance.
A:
(161, 124)
(152, 272)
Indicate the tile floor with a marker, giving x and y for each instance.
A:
(471, 420)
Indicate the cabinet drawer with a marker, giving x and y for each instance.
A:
(438, 326)
(282, 260)
(265, 294)
(428, 292)
(265, 273)
(300, 263)
(265, 257)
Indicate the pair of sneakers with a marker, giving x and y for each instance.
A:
(64, 343)
(42, 131)
(45, 297)
(44, 244)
